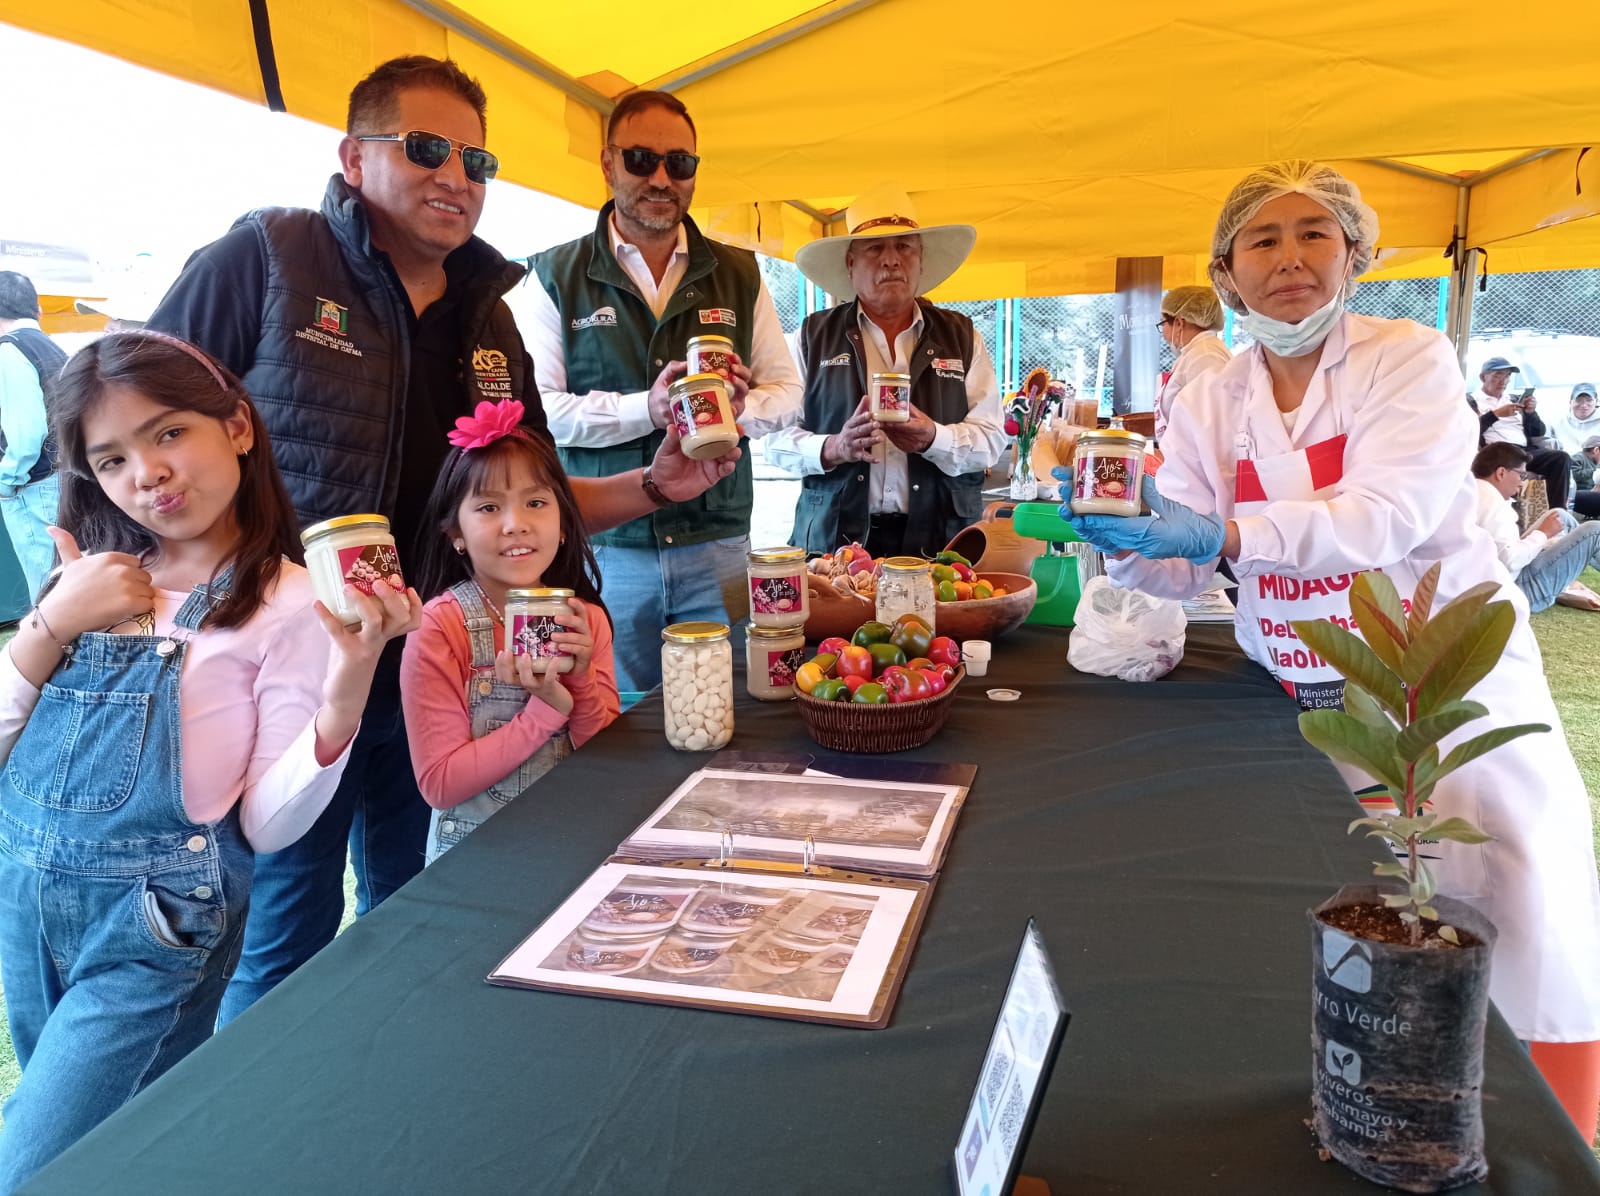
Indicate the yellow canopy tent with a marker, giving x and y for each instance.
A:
(1069, 134)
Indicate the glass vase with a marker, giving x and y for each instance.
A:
(1024, 487)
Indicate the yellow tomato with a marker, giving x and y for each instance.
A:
(807, 676)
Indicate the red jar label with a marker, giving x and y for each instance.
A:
(363, 566)
(530, 635)
(697, 409)
(1105, 477)
(894, 396)
(777, 595)
(710, 361)
(782, 666)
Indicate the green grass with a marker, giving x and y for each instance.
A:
(1569, 640)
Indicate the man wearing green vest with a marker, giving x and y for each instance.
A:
(896, 487)
(608, 325)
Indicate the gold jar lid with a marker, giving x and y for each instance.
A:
(889, 377)
(905, 564)
(775, 633)
(711, 342)
(328, 526)
(537, 592)
(779, 555)
(693, 382)
(695, 633)
(1118, 437)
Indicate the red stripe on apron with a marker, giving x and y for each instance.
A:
(1326, 459)
(1247, 483)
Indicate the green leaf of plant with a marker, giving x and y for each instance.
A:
(1444, 629)
(1392, 868)
(1428, 912)
(1425, 886)
(1376, 588)
(1422, 601)
(1411, 744)
(1396, 900)
(1465, 753)
(1449, 935)
(1362, 705)
(1467, 660)
(1382, 634)
(1459, 830)
(1353, 742)
(1355, 661)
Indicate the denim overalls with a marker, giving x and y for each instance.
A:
(119, 917)
(491, 703)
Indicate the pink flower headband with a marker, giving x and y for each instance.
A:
(193, 352)
(489, 423)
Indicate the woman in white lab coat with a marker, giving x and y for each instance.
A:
(1339, 443)
(1190, 318)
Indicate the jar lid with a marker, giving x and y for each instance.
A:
(328, 526)
(781, 554)
(890, 376)
(1117, 436)
(905, 564)
(694, 382)
(710, 339)
(695, 633)
(775, 633)
(539, 592)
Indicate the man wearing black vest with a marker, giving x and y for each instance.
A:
(363, 331)
(29, 489)
(609, 317)
(895, 487)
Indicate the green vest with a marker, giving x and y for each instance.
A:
(611, 340)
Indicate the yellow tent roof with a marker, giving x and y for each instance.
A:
(1069, 134)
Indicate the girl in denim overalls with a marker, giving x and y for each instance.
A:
(482, 725)
(175, 620)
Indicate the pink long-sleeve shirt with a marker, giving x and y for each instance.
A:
(451, 766)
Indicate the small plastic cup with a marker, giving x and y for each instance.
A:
(975, 655)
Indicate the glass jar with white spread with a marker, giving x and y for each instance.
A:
(778, 594)
(697, 685)
(354, 549)
(1106, 468)
(905, 587)
(710, 355)
(772, 656)
(531, 625)
(701, 407)
(890, 398)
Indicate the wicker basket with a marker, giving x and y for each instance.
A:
(858, 727)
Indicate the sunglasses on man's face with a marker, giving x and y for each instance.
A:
(642, 162)
(432, 150)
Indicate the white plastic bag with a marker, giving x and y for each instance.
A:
(1126, 634)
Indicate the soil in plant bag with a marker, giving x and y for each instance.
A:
(1397, 1041)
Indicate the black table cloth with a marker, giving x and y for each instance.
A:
(1168, 837)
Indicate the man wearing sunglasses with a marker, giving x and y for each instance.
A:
(608, 318)
(363, 331)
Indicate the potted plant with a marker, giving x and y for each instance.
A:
(1401, 975)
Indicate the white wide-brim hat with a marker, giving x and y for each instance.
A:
(885, 212)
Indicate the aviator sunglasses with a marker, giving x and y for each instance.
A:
(642, 162)
(432, 150)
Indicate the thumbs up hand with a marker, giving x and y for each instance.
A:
(94, 591)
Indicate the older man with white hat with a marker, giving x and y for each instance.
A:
(897, 487)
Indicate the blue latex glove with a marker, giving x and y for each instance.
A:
(1171, 530)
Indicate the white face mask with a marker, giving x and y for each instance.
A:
(1292, 340)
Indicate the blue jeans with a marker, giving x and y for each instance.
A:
(377, 813)
(1558, 564)
(646, 588)
(27, 513)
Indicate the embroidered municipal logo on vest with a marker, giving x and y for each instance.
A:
(717, 315)
(489, 368)
(842, 359)
(602, 317)
(329, 327)
(950, 367)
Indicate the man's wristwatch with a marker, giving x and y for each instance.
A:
(648, 484)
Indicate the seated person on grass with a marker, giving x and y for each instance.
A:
(1547, 560)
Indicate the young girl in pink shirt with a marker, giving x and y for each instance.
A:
(483, 725)
(169, 708)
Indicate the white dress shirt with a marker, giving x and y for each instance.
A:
(974, 443)
(604, 417)
(1497, 518)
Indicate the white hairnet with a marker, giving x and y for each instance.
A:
(1196, 305)
(1314, 180)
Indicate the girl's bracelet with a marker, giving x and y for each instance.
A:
(38, 622)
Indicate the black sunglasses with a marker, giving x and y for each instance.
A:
(432, 150)
(642, 162)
